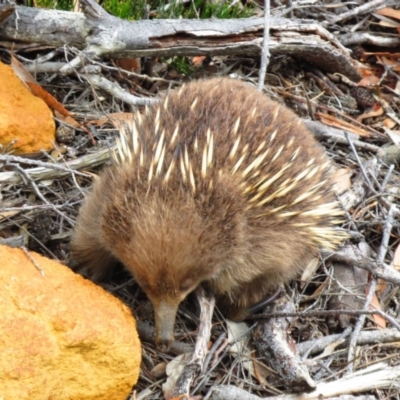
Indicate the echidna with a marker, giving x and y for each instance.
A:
(216, 185)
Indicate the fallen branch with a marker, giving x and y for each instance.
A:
(52, 171)
(273, 343)
(316, 346)
(378, 376)
(98, 33)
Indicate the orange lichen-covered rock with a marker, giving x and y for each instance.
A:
(61, 336)
(23, 116)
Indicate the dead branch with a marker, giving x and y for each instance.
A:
(6, 10)
(315, 346)
(273, 343)
(373, 377)
(229, 392)
(99, 33)
(377, 376)
(52, 171)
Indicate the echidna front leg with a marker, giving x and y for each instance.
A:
(251, 299)
(89, 255)
(262, 303)
(90, 258)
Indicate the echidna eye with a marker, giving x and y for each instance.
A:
(144, 285)
(186, 285)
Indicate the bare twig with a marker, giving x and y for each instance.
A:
(382, 336)
(265, 51)
(371, 292)
(314, 313)
(39, 194)
(51, 171)
(28, 161)
(360, 10)
(384, 271)
(40, 269)
(196, 363)
(115, 90)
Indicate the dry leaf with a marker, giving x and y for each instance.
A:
(8, 214)
(50, 100)
(346, 278)
(322, 287)
(389, 12)
(368, 70)
(380, 322)
(396, 259)
(397, 87)
(381, 286)
(129, 64)
(115, 119)
(330, 349)
(67, 119)
(389, 123)
(342, 180)
(57, 153)
(198, 61)
(375, 112)
(390, 60)
(174, 370)
(119, 120)
(25, 77)
(239, 334)
(330, 120)
(309, 271)
(99, 122)
(394, 135)
(383, 54)
(369, 80)
(261, 371)
(23, 74)
(386, 22)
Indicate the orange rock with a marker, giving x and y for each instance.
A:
(23, 116)
(61, 336)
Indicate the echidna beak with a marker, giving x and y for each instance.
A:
(165, 314)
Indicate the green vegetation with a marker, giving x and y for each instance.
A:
(203, 9)
(136, 9)
(66, 5)
(183, 65)
(125, 9)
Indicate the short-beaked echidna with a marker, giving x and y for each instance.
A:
(217, 185)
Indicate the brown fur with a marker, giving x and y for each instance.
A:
(209, 226)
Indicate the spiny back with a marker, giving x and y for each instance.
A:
(223, 133)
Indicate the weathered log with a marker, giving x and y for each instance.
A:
(99, 33)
